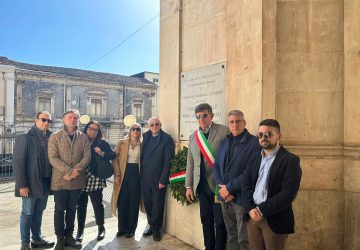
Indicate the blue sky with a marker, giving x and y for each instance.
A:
(75, 33)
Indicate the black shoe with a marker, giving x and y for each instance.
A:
(157, 235)
(42, 243)
(79, 237)
(70, 241)
(101, 233)
(148, 232)
(119, 234)
(25, 247)
(129, 235)
(60, 244)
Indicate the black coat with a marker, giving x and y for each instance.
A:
(27, 163)
(283, 185)
(109, 154)
(155, 160)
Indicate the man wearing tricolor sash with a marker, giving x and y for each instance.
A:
(203, 146)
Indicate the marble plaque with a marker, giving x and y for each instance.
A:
(206, 84)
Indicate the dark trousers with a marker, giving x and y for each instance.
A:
(65, 210)
(210, 214)
(96, 198)
(129, 199)
(154, 201)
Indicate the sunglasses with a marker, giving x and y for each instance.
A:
(45, 120)
(136, 129)
(265, 135)
(93, 129)
(201, 116)
(154, 124)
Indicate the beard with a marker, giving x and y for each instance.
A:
(267, 145)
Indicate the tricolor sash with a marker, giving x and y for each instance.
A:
(177, 177)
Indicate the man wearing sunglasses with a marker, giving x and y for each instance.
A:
(32, 172)
(203, 146)
(228, 172)
(157, 152)
(271, 182)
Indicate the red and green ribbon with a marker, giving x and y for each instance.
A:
(177, 177)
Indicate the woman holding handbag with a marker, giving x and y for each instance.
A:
(126, 191)
(94, 184)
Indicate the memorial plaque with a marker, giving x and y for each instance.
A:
(206, 84)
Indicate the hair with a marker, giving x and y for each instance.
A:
(129, 132)
(236, 112)
(42, 112)
(271, 123)
(154, 117)
(99, 134)
(74, 111)
(202, 107)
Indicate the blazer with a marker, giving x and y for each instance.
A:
(247, 145)
(283, 185)
(217, 135)
(155, 167)
(27, 163)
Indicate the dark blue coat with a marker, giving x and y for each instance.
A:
(155, 161)
(247, 145)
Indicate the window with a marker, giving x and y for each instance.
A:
(96, 107)
(96, 104)
(138, 108)
(44, 100)
(44, 103)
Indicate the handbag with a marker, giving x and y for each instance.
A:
(104, 168)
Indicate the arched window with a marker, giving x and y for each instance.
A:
(96, 103)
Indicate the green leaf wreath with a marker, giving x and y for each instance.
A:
(177, 188)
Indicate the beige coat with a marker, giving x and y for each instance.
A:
(119, 164)
(65, 155)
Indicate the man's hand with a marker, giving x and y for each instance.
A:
(75, 173)
(255, 214)
(224, 193)
(161, 185)
(189, 194)
(24, 192)
(230, 198)
(67, 177)
(117, 179)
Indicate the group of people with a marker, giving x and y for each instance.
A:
(245, 184)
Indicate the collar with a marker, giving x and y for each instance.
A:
(272, 153)
(207, 130)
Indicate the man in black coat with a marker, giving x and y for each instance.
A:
(32, 172)
(157, 152)
(270, 185)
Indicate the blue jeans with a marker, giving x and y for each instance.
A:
(31, 217)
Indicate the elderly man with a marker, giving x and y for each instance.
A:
(203, 146)
(32, 180)
(69, 154)
(228, 172)
(157, 152)
(271, 182)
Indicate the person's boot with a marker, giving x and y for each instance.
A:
(101, 233)
(70, 241)
(60, 243)
(79, 235)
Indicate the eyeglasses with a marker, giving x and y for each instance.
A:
(265, 135)
(93, 129)
(237, 122)
(136, 129)
(201, 116)
(154, 124)
(48, 120)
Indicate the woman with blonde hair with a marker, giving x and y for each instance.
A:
(126, 189)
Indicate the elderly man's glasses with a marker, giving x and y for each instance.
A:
(45, 120)
(136, 129)
(154, 124)
(198, 117)
(265, 135)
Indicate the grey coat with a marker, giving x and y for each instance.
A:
(27, 164)
(217, 134)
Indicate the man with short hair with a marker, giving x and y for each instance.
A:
(228, 172)
(271, 182)
(32, 172)
(203, 146)
(69, 154)
(157, 152)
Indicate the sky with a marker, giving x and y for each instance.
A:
(94, 35)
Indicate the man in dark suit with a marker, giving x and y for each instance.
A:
(32, 180)
(157, 152)
(271, 182)
(200, 178)
(228, 172)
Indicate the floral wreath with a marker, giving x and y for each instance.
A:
(177, 177)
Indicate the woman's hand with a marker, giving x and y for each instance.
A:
(98, 151)
(117, 179)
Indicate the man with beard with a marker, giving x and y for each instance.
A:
(270, 185)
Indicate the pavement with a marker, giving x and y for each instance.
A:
(10, 208)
